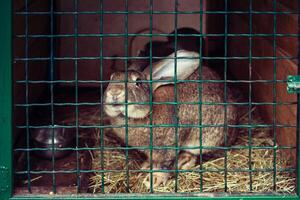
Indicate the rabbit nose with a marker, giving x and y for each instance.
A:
(115, 94)
(115, 98)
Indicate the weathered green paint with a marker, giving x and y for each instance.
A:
(4, 179)
(5, 100)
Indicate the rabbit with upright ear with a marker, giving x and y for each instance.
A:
(212, 113)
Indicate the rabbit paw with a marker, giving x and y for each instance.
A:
(186, 161)
(159, 178)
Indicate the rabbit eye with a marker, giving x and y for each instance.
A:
(138, 83)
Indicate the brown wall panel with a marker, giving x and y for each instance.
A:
(264, 69)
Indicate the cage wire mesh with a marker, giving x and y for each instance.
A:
(64, 141)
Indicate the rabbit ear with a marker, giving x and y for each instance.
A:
(187, 63)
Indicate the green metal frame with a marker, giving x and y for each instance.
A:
(6, 99)
(6, 168)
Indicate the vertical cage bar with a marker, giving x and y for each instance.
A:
(225, 91)
(200, 86)
(126, 94)
(175, 94)
(26, 97)
(76, 93)
(6, 95)
(151, 96)
(274, 94)
(101, 99)
(52, 93)
(250, 97)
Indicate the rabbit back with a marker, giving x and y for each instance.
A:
(212, 113)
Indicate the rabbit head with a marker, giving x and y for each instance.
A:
(137, 91)
(137, 87)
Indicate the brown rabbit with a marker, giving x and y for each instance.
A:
(164, 137)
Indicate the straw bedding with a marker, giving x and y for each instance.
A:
(238, 178)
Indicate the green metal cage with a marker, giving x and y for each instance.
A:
(9, 128)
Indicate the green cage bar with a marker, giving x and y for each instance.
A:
(151, 97)
(6, 167)
(101, 99)
(274, 92)
(200, 85)
(250, 92)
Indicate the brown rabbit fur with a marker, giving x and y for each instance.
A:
(213, 119)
